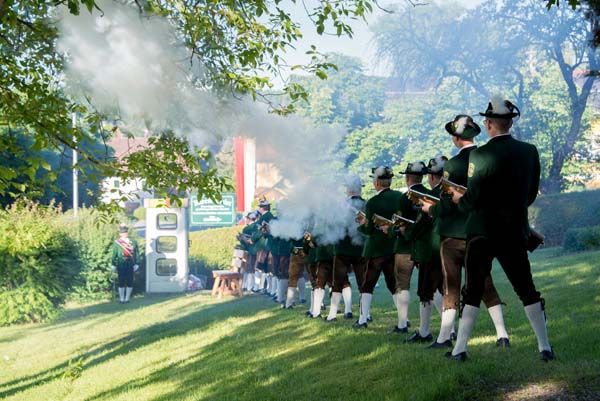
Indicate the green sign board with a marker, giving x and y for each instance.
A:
(206, 213)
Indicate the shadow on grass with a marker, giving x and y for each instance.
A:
(204, 317)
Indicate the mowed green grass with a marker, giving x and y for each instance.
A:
(191, 347)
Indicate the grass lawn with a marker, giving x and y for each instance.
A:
(191, 347)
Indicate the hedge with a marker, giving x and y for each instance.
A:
(582, 239)
(212, 249)
(39, 262)
(553, 215)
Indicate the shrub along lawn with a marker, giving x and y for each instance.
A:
(190, 347)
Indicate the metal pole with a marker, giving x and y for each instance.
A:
(75, 172)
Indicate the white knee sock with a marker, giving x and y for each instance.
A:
(275, 286)
(250, 284)
(465, 327)
(336, 297)
(282, 287)
(312, 299)
(128, 291)
(438, 302)
(425, 318)
(319, 294)
(447, 325)
(263, 281)
(302, 288)
(537, 318)
(402, 301)
(365, 307)
(498, 319)
(291, 293)
(257, 280)
(122, 294)
(347, 295)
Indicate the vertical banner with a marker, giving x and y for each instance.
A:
(238, 148)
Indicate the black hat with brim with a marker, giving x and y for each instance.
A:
(382, 173)
(436, 165)
(491, 113)
(418, 168)
(470, 130)
(123, 228)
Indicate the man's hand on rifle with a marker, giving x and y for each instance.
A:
(384, 228)
(426, 205)
(455, 195)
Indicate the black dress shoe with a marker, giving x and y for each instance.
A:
(399, 330)
(503, 342)
(310, 316)
(436, 345)
(418, 338)
(348, 315)
(459, 357)
(331, 320)
(453, 336)
(303, 301)
(307, 313)
(547, 355)
(408, 323)
(369, 319)
(357, 325)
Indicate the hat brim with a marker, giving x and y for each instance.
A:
(501, 116)
(449, 126)
(413, 173)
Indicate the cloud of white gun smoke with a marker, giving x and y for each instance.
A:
(136, 64)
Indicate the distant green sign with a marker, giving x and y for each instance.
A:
(206, 213)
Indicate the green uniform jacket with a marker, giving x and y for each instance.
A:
(261, 240)
(281, 246)
(119, 260)
(453, 222)
(504, 177)
(385, 204)
(425, 234)
(403, 245)
(352, 244)
(249, 230)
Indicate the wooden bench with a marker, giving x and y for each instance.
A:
(227, 282)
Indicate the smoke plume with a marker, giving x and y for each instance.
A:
(135, 67)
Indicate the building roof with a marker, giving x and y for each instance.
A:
(124, 145)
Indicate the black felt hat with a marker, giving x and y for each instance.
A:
(501, 108)
(417, 168)
(463, 127)
(436, 165)
(382, 172)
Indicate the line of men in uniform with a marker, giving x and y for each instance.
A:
(474, 210)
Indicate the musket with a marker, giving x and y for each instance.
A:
(381, 221)
(448, 186)
(360, 215)
(398, 220)
(245, 238)
(418, 197)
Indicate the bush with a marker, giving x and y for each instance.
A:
(582, 239)
(93, 238)
(38, 262)
(140, 214)
(553, 215)
(212, 249)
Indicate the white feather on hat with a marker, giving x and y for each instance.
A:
(461, 125)
(499, 105)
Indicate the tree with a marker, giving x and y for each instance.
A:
(430, 45)
(348, 97)
(240, 44)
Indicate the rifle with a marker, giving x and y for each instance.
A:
(360, 215)
(418, 197)
(381, 221)
(244, 238)
(264, 227)
(298, 250)
(398, 220)
(448, 185)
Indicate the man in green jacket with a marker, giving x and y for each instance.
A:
(246, 243)
(263, 253)
(503, 181)
(379, 247)
(125, 259)
(403, 261)
(426, 254)
(453, 235)
(348, 255)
